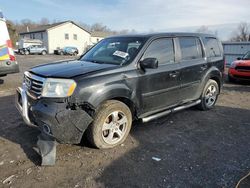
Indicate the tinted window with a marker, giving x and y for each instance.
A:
(162, 50)
(212, 47)
(246, 56)
(190, 48)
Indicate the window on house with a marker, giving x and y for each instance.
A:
(66, 36)
(75, 36)
(190, 48)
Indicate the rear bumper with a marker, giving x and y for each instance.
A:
(8, 67)
(55, 119)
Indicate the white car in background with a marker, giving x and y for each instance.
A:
(8, 63)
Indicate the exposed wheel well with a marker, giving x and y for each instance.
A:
(129, 103)
(217, 80)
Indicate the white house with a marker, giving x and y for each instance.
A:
(98, 36)
(59, 35)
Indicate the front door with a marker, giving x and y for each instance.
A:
(160, 87)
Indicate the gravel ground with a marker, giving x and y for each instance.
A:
(195, 148)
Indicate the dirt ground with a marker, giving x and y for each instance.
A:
(196, 148)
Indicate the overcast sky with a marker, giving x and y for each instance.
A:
(141, 15)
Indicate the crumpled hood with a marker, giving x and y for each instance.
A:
(69, 69)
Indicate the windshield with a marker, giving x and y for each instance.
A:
(118, 50)
(246, 56)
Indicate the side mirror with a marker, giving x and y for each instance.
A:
(149, 63)
(239, 58)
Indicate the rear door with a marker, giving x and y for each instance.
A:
(160, 87)
(193, 66)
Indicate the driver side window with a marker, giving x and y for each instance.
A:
(162, 50)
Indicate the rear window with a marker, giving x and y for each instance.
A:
(190, 48)
(212, 47)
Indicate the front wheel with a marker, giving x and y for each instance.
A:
(111, 125)
(209, 95)
(44, 52)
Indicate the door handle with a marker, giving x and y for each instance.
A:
(173, 74)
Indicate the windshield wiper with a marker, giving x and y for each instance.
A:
(94, 61)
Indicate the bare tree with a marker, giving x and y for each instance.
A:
(242, 33)
(205, 29)
(44, 21)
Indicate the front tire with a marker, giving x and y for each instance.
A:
(209, 95)
(44, 52)
(111, 125)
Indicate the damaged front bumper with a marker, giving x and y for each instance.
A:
(53, 118)
(56, 121)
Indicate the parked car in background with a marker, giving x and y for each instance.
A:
(121, 79)
(8, 63)
(24, 43)
(66, 51)
(240, 69)
(34, 49)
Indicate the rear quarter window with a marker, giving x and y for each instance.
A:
(190, 48)
(212, 47)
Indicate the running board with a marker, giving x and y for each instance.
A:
(166, 112)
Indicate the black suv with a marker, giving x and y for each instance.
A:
(121, 79)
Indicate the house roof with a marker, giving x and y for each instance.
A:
(100, 34)
(43, 28)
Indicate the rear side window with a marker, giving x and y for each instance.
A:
(190, 48)
(162, 50)
(212, 47)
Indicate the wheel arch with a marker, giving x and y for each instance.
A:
(214, 74)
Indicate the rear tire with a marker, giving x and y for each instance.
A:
(44, 53)
(209, 95)
(111, 125)
(26, 52)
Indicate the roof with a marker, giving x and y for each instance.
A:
(43, 28)
(169, 34)
(100, 34)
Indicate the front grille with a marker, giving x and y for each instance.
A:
(34, 84)
(243, 68)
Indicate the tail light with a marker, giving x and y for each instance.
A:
(10, 50)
